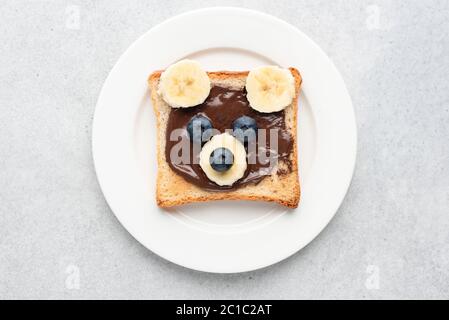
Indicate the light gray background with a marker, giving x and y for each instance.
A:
(390, 238)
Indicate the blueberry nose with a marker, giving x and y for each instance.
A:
(221, 159)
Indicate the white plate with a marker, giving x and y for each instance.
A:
(223, 236)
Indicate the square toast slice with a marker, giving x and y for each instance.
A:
(174, 190)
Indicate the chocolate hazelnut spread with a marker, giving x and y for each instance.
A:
(222, 107)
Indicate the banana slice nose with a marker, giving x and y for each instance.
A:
(237, 170)
(184, 84)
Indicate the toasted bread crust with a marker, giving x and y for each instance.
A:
(173, 190)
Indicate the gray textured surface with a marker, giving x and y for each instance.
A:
(392, 227)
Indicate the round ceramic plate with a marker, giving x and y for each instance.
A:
(223, 236)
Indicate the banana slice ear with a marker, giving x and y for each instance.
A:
(270, 88)
(184, 84)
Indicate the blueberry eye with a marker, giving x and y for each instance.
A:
(199, 128)
(245, 129)
(221, 159)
